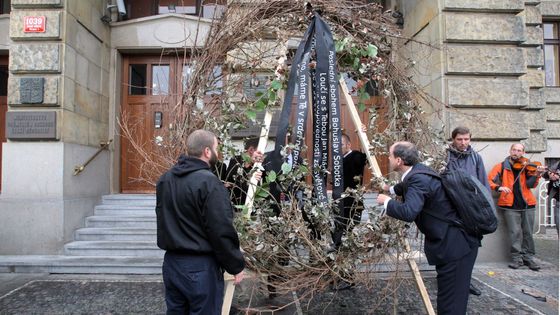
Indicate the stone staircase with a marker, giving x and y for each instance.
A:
(119, 238)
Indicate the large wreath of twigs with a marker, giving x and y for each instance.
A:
(252, 37)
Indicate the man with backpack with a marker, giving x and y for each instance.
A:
(447, 245)
(513, 181)
(461, 156)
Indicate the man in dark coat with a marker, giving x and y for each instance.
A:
(239, 169)
(553, 186)
(353, 164)
(195, 228)
(446, 246)
(461, 156)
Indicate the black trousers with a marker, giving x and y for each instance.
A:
(453, 280)
(194, 284)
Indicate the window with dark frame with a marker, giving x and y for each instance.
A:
(5, 6)
(551, 53)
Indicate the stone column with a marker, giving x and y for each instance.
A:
(58, 114)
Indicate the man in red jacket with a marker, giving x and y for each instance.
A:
(514, 183)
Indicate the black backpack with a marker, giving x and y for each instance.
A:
(472, 200)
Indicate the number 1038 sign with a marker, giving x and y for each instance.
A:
(34, 24)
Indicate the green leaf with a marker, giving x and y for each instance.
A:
(371, 51)
(276, 85)
(286, 168)
(356, 63)
(361, 106)
(251, 114)
(271, 96)
(341, 44)
(260, 104)
(271, 177)
(364, 96)
(259, 94)
(261, 193)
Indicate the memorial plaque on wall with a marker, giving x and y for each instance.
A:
(31, 90)
(31, 125)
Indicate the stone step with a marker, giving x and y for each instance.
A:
(145, 222)
(113, 248)
(129, 199)
(124, 210)
(80, 264)
(116, 234)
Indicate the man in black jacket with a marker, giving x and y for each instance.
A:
(446, 246)
(239, 170)
(461, 156)
(553, 187)
(195, 228)
(353, 164)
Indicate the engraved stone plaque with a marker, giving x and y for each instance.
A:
(31, 125)
(31, 90)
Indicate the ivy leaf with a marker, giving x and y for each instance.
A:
(261, 193)
(286, 168)
(341, 44)
(303, 169)
(361, 106)
(271, 177)
(364, 96)
(260, 104)
(371, 51)
(276, 85)
(271, 96)
(251, 114)
(356, 63)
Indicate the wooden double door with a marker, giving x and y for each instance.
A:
(151, 86)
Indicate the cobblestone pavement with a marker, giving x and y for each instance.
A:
(502, 293)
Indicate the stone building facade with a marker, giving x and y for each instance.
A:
(483, 62)
(484, 59)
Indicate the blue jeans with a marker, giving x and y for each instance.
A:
(194, 284)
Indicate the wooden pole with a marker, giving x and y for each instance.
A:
(377, 172)
(263, 139)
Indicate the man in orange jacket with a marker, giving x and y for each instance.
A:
(514, 183)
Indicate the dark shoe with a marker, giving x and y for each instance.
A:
(474, 290)
(342, 285)
(532, 265)
(516, 264)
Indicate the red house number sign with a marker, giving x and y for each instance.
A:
(34, 24)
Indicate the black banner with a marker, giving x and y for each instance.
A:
(317, 47)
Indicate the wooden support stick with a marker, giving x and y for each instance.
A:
(361, 134)
(377, 172)
(261, 147)
(263, 139)
(229, 288)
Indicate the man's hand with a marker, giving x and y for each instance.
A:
(381, 198)
(257, 157)
(258, 175)
(238, 278)
(504, 189)
(386, 187)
